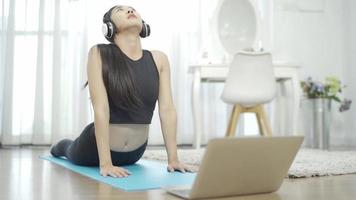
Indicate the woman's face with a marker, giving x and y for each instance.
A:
(126, 17)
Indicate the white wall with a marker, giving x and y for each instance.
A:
(350, 69)
(313, 38)
(321, 42)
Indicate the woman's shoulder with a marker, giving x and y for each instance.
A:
(101, 46)
(158, 55)
(156, 52)
(160, 58)
(96, 51)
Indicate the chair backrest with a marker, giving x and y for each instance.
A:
(250, 80)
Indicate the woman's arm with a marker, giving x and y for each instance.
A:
(167, 111)
(168, 114)
(100, 104)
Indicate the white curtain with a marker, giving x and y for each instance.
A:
(43, 56)
(44, 45)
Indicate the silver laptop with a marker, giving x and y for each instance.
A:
(241, 166)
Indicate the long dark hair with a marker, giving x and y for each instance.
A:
(118, 79)
(117, 73)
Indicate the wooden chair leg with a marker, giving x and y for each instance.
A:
(264, 120)
(231, 122)
(231, 129)
(260, 124)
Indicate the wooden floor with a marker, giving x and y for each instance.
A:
(24, 176)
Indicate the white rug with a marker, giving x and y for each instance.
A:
(308, 162)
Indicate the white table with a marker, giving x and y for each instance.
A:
(218, 73)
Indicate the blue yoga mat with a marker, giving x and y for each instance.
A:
(146, 174)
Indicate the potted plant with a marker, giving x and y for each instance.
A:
(322, 94)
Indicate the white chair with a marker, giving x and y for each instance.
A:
(250, 83)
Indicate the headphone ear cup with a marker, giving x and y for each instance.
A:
(146, 30)
(112, 28)
(108, 30)
(105, 29)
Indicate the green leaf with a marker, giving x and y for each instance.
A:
(336, 99)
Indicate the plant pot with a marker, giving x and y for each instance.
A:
(317, 118)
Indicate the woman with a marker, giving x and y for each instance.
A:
(125, 82)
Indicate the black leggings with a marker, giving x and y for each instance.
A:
(83, 150)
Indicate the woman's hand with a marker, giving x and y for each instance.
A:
(114, 171)
(176, 165)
